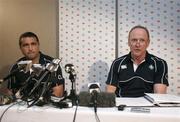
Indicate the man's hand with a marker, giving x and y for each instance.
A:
(58, 90)
(160, 88)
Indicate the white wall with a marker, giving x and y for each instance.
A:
(18, 16)
(87, 35)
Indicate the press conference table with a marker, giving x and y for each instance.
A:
(49, 113)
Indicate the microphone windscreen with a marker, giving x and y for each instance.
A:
(104, 99)
(25, 65)
(94, 87)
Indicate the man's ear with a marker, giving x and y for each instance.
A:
(128, 43)
(148, 43)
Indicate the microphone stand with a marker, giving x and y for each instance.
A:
(24, 87)
(39, 100)
(12, 73)
(95, 102)
(73, 95)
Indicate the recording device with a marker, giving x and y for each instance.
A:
(6, 99)
(6, 96)
(22, 66)
(61, 102)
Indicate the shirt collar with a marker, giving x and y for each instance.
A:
(147, 57)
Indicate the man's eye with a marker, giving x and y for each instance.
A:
(34, 44)
(141, 40)
(134, 40)
(25, 45)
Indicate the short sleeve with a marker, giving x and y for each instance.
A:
(161, 75)
(113, 75)
(57, 77)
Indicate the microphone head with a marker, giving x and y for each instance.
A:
(24, 65)
(37, 69)
(104, 99)
(56, 61)
(94, 87)
(54, 65)
(69, 68)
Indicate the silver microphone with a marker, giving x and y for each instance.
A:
(94, 87)
(69, 68)
(22, 66)
(54, 65)
(37, 69)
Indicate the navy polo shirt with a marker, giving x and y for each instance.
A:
(16, 82)
(132, 83)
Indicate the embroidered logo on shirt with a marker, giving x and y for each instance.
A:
(123, 67)
(60, 77)
(151, 67)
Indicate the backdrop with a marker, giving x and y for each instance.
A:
(92, 33)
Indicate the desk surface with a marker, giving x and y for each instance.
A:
(20, 113)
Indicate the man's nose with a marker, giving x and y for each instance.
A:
(138, 42)
(30, 47)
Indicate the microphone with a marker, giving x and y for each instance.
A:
(94, 89)
(48, 69)
(37, 69)
(53, 66)
(104, 99)
(22, 66)
(26, 65)
(24, 90)
(69, 68)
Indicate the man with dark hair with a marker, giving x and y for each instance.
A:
(29, 46)
(138, 72)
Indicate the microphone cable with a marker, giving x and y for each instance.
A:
(95, 106)
(75, 113)
(8, 109)
(40, 97)
(96, 117)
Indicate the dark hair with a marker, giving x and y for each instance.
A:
(142, 27)
(28, 34)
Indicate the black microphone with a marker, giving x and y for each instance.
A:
(22, 66)
(69, 68)
(94, 89)
(104, 99)
(49, 68)
(37, 69)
